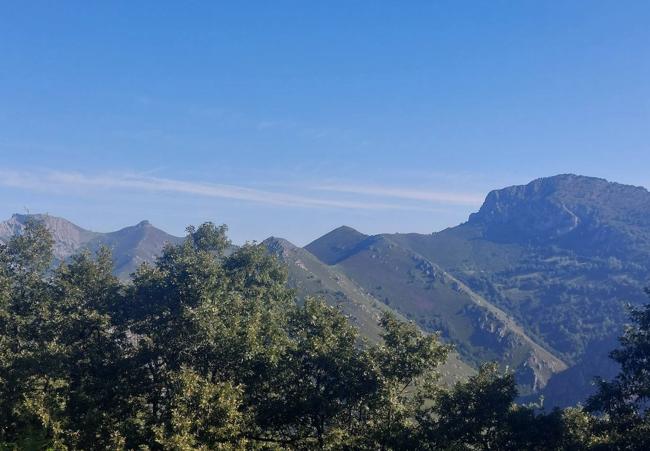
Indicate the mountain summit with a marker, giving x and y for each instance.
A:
(587, 214)
(336, 245)
(561, 256)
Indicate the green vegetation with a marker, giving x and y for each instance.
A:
(625, 399)
(204, 350)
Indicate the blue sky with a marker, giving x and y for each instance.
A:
(290, 118)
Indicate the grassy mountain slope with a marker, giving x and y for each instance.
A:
(310, 277)
(436, 300)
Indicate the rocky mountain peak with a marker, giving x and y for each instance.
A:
(279, 246)
(568, 210)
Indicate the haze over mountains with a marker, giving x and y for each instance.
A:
(537, 279)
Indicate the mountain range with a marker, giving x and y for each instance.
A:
(131, 246)
(538, 279)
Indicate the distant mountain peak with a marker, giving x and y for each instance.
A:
(130, 245)
(568, 209)
(274, 240)
(68, 237)
(346, 229)
(279, 246)
(336, 245)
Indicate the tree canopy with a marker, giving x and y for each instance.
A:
(207, 349)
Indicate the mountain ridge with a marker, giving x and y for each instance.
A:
(310, 277)
(130, 245)
(536, 279)
(418, 288)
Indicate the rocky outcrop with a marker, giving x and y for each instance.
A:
(583, 214)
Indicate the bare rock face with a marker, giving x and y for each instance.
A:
(585, 214)
(526, 212)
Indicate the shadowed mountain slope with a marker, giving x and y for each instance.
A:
(588, 215)
(336, 245)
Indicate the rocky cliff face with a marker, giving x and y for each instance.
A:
(584, 214)
(561, 256)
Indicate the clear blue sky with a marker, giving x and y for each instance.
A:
(291, 118)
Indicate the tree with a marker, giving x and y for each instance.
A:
(207, 348)
(204, 415)
(624, 400)
(93, 349)
(406, 363)
(324, 379)
(29, 409)
(481, 414)
(473, 414)
(221, 319)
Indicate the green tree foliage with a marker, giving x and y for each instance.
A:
(473, 413)
(407, 364)
(208, 349)
(625, 401)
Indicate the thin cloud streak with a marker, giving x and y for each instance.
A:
(62, 181)
(406, 193)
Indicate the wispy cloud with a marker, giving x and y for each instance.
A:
(442, 197)
(21, 179)
(71, 181)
